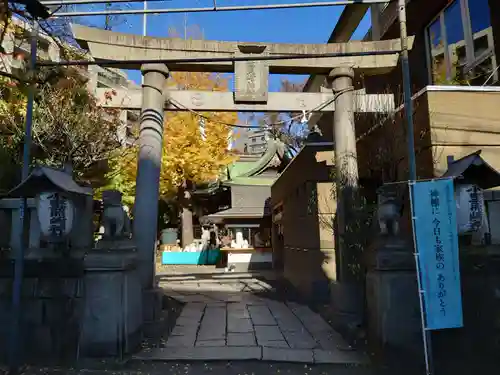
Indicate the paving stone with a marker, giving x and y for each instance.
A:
(268, 333)
(195, 306)
(312, 321)
(274, 344)
(223, 287)
(300, 340)
(252, 300)
(239, 325)
(214, 313)
(287, 355)
(211, 343)
(316, 325)
(187, 321)
(184, 341)
(290, 323)
(211, 334)
(330, 340)
(240, 339)
(236, 306)
(256, 287)
(184, 330)
(236, 286)
(237, 312)
(261, 315)
(265, 285)
(338, 356)
(192, 311)
(196, 298)
(201, 353)
(181, 287)
(279, 308)
(213, 324)
(190, 316)
(234, 298)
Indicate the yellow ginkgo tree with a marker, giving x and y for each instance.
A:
(190, 156)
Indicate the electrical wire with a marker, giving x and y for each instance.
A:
(491, 75)
(205, 9)
(266, 126)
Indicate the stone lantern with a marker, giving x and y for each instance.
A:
(61, 207)
(55, 215)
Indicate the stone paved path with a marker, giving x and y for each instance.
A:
(238, 317)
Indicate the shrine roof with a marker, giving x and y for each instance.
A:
(473, 169)
(46, 178)
(251, 166)
(241, 212)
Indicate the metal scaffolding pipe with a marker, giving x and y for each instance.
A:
(327, 3)
(91, 2)
(214, 8)
(104, 62)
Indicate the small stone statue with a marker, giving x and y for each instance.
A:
(115, 219)
(388, 213)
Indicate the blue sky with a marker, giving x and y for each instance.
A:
(303, 25)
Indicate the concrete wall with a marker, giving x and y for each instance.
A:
(249, 196)
(448, 121)
(304, 190)
(463, 122)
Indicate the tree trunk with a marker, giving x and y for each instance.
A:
(186, 217)
(187, 227)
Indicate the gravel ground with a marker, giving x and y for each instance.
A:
(247, 368)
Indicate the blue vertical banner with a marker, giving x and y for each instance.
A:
(436, 242)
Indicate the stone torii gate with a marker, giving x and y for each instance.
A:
(251, 94)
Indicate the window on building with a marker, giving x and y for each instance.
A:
(461, 46)
(455, 39)
(438, 67)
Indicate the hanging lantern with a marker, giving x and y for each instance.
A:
(55, 215)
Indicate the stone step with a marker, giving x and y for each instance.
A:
(202, 353)
(245, 353)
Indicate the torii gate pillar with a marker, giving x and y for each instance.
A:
(346, 162)
(148, 168)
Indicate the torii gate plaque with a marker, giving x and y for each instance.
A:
(251, 77)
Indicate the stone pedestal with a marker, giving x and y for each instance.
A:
(148, 168)
(394, 323)
(347, 300)
(112, 321)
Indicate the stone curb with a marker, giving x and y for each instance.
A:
(245, 353)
